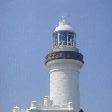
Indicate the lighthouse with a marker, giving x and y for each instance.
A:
(64, 63)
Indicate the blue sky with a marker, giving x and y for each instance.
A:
(26, 28)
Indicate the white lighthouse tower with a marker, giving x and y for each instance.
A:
(64, 63)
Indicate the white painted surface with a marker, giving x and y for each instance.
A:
(64, 26)
(64, 82)
(16, 109)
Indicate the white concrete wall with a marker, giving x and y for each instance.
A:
(64, 82)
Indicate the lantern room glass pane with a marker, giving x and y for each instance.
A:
(70, 38)
(62, 38)
(55, 38)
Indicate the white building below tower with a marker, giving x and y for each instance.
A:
(64, 63)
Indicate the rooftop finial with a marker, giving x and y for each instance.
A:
(62, 17)
(63, 21)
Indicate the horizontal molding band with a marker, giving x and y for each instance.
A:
(64, 55)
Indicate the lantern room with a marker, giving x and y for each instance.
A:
(64, 35)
